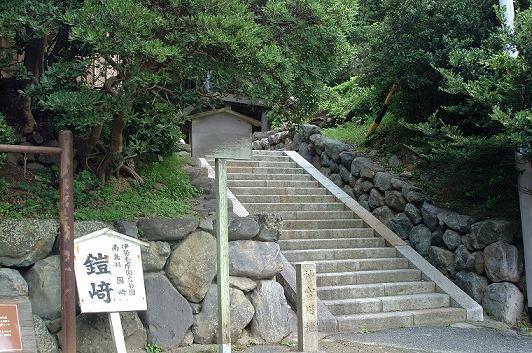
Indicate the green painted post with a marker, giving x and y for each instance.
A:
(224, 328)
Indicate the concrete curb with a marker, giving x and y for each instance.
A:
(458, 297)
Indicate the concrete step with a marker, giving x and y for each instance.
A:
(274, 183)
(254, 163)
(265, 170)
(302, 244)
(323, 224)
(334, 254)
(269, 207)
(278, 191)
(386, 304)
(286, 198)
(396, 319)
(267, 153)
(273, 158)
(392, 263)
(366, 277)
(327, 233)
(248, 176)
(375, 290)
(306, 215)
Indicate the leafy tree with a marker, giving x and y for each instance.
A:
(403, 41)
(130, 68)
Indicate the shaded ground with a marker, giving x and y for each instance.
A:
(460, 338)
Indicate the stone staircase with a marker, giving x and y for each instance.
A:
(363, 281)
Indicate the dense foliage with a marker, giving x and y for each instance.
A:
(121, 73)
(463, 103)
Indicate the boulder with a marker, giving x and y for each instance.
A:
(503, 262)
(192, 265)
(242, 283)
(413, 213)
(206, 322)
(128, 228)
(325, 160)
(349, 191)
(169, 315)
(420, 238)
(23, 242)
(442, 259)
(254, 259)
(255, 145)
(46, 342)
(12, 284)
(413, 194)
(364, 167)
(383, 181)
(464, 260)
(304, 151)
(44, 284)
(345, 174)
(334, 147)
(383, 214)
(307, 130)
(243, 228)
(430, 213)
(334, 167)
(346, 158)
(154, 257)
(394, 161)
(271, 312)
(395, 200)
(82, 228)
(167, 229)
(317, 141)
(376, 199)
(401, 225)
(270, 226)
(455, 221)
(504, 301)
(452, 239)
(398, 184)
(352, 180)
(471, 283)
(437, 238)
(488, 232)
(337, 180)
(94, 334)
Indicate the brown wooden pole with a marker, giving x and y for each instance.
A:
(66, 218)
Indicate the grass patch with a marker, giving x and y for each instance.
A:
(166, 192)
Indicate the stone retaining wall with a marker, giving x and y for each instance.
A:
(483, 257)
(180, 269)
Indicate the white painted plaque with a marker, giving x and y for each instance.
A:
(109, 275)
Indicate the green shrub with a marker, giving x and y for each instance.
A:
(6, 136)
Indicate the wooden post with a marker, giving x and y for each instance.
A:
(307, 307)
(117, 333)
(524, 182)
(224, 327)
(66, 218)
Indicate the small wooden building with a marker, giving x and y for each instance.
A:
(222, 133)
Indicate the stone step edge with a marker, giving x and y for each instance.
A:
(356, 286)
(459, 298)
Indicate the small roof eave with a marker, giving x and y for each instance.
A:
(243, 117)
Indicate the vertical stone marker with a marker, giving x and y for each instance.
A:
(222, 134)
(307, 307)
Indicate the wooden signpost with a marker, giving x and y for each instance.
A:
(109, 277)
(222, 134)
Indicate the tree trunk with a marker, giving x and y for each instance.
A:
(34, 62)
(114, 156)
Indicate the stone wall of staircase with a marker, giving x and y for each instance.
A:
(179, 272)
(483, 257)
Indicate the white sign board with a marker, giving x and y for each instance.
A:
(109, 273)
